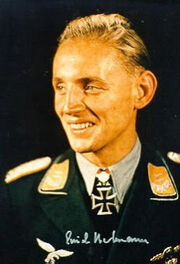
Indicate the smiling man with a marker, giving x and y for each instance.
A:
(97, 91)
(110, 199)
(95, 99)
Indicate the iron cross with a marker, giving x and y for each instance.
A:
(106, 200)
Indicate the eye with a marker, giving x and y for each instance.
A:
(60, 88)
(92, 89)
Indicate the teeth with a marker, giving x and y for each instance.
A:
(81, 126)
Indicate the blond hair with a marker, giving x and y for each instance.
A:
(114, 29)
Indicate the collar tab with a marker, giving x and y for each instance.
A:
(55, 179)
(162, 183)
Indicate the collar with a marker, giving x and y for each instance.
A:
(122, 172)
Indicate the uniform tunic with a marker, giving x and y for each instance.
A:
(146, 225)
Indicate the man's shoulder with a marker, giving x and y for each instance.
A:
(32, 167)
(160, 156)
(24, 179)
(163, 169)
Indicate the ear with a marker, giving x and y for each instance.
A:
(146, 87)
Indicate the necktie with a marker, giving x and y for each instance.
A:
(104, 199)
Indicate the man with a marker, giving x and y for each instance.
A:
(110, 199)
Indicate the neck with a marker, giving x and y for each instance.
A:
(111, 154)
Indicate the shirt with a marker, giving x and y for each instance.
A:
(122, 172)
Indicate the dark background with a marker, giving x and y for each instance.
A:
(28, 37)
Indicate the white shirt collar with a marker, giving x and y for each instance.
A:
(122, 172)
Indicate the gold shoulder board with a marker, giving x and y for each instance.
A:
(27, 168)
(174, 156)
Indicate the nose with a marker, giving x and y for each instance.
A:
(74, 101)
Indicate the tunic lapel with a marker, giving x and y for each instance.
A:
(135, 217)
(69, 212)
(142, 217)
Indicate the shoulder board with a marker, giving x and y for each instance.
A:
(27, 168)
(174, 156)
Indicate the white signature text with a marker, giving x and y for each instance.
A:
(99, 239)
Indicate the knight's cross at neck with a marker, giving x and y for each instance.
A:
(104, 198)
(122, 172)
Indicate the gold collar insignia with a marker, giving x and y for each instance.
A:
(55, 178)
(161, 181)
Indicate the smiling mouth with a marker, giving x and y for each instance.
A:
(80, 127)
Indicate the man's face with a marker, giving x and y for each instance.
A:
(94, 95)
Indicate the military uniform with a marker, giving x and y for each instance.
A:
(148, 221)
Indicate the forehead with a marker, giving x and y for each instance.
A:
(86, 55)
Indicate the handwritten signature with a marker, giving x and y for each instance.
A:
(99, 239)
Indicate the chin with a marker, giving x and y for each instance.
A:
(81, 148)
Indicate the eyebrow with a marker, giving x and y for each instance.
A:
(56, 79)
(84, 80)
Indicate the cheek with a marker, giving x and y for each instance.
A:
(58, 104)
(118, 111)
